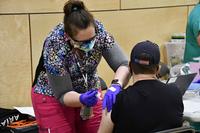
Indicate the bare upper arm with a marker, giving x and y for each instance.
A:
(106, 125)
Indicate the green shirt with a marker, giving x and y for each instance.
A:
(192, 49)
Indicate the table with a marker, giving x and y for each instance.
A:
(192, 109)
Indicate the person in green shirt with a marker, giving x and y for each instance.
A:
(192, 48)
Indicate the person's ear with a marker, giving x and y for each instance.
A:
(158, 71)
(158, 67)
(130, 68)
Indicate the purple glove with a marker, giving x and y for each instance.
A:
(198, 81)
(110, 96)
(89, 98)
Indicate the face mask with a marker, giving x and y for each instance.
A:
(87, 45)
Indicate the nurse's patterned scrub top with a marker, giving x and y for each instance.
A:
(58, 59)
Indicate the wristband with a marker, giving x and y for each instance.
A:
(116, 81)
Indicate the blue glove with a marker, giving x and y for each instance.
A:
(110, 96)
(89, 98)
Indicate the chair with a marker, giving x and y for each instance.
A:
(163, 71)
(183, 129)
(103, 84)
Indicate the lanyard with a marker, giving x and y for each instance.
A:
(85, 76)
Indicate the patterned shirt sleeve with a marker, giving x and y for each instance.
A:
(54, 52)
(107, 41)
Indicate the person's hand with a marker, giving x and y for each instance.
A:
(110, 96)
(89, 98)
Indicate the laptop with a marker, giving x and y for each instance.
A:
(182, 81)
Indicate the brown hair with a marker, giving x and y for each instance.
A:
(142, 69)
(76, 17)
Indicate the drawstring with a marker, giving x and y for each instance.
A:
(49, 131)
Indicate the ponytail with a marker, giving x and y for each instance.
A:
(76, 17)
(72, 6)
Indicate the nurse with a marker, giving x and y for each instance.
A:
(66, 87)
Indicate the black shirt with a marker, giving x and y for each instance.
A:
(147, 106)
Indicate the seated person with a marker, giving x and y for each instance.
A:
(148, 105)
(163, 70)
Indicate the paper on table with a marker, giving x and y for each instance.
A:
(172, 80)
(26, 110)
(195, 68)
(191, 106)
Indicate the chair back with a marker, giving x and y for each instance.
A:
(182, 129)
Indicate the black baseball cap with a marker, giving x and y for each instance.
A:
(145, 53)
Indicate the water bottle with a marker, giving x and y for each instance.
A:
(86, 112)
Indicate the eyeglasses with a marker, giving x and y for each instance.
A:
(79, 44)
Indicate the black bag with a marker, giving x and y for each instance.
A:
(12, 121)
(31, 129)
(7, 116)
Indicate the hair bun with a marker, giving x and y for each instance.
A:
(72, 6)
(75, 8)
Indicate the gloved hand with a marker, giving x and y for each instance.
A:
(110, 96)
(89, 98)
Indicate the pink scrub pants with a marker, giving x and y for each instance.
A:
(53, 117)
